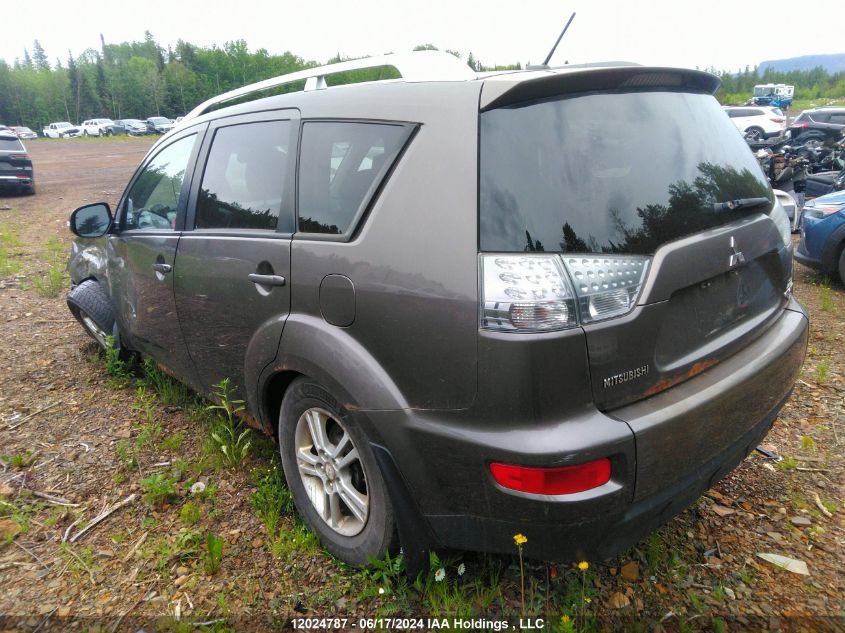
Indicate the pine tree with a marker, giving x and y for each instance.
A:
(40, 57)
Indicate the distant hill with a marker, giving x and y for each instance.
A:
(831, 63)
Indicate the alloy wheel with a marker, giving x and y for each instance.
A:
(96, 331)
(331, 471)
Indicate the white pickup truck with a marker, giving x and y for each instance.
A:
(62, 129)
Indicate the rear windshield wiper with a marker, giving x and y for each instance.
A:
(740, 203)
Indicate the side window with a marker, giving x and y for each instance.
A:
(340, 165)
(243, 183)
(153, 201)
(839, 119)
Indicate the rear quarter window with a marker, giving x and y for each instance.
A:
(341, 165)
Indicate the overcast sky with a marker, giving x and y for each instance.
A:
(721, 33)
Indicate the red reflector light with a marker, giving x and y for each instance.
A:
(552, 481)
(22, 176)
(776, 119)
(801, 125)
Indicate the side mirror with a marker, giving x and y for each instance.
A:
(92, 220)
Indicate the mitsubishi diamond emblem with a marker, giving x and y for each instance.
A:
(736, 257)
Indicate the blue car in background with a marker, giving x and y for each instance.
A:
(822, 245)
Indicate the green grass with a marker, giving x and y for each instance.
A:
(787, 463)
(228, 433)
(190, 513)
(53, 282)
(272, 498)
(172, 442)
(822, 371)
(22, 460)
(170, 391)
(8, 265)
(213, 553)
(158, 489)
(826, 299)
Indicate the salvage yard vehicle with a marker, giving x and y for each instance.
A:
(819, 125)
(62, 129)
(822, 245)
(159, 125)
(777, 95)
(16, 170)
(757, 122)
(24, 132)
(98, 127)
(464, 304)
(132, 127)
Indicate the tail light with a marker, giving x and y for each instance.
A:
(800, 125)
(528, 293)
(552, 481)
(776, 119)
(541, 293)
(19, 156)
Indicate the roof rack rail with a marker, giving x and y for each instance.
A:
(415, 66)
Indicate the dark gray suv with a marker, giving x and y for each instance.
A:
(555, 302)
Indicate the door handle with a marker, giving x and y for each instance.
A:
(267, 280)
(162, 268)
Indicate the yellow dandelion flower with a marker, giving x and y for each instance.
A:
(564, 619)
(583, 565)
(588, 600)
(520, 539)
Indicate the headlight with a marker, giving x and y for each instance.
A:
(822, 210)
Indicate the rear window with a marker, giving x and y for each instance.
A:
(609, 172)
(10, 145)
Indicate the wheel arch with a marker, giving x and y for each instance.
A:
(832, 249)
(330, 356)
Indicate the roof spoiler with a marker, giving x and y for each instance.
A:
(508, 90)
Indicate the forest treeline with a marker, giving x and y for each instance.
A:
(142, 79)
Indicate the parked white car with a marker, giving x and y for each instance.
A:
(24, 132)
(758, 122)
(98, 127)
(62, 129)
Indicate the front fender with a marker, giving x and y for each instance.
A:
(88, 260)
(830, 251)
(332, 357)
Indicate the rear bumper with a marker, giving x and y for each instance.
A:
(14, 181)
(665, 451)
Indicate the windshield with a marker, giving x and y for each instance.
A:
(63, 125)
(610, 172)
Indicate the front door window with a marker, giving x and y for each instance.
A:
(153, 201)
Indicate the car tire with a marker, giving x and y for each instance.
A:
(754, 134)
(332, 473)
(842, 265)
(92, 307)
(85, 133)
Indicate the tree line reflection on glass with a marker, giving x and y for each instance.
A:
(690, 210)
